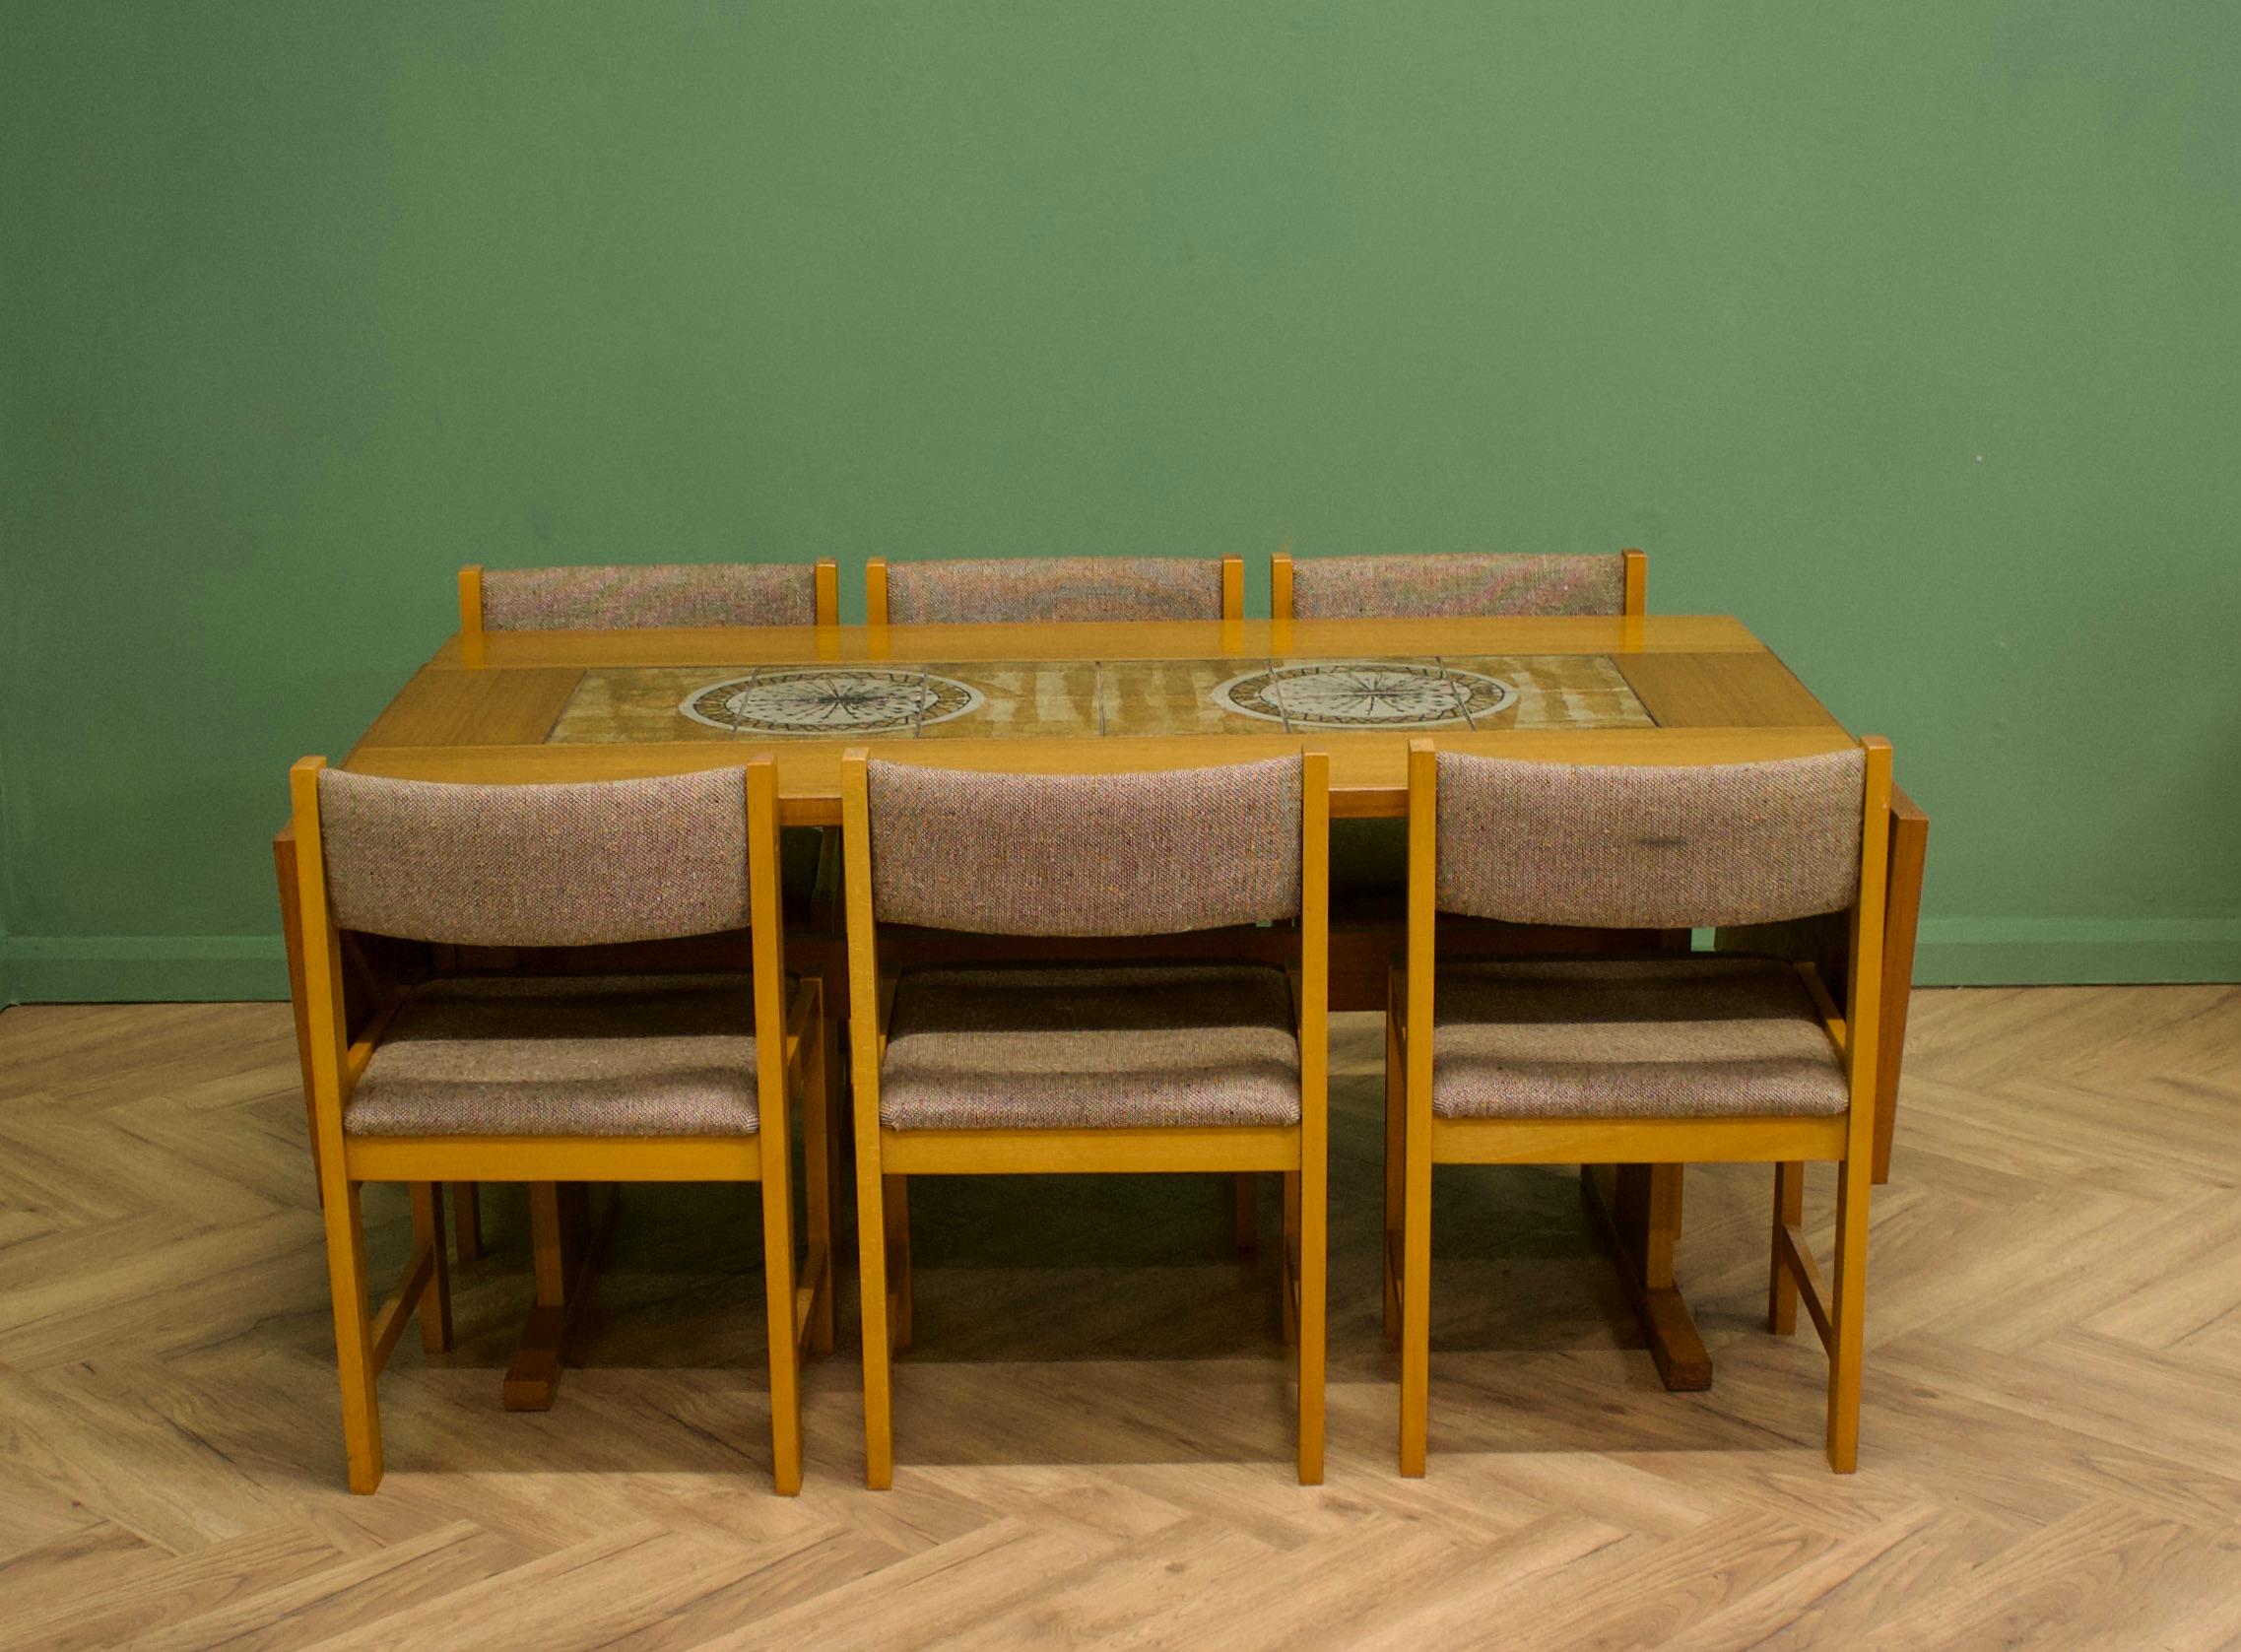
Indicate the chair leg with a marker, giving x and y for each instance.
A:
(1855, 1177)
(778, 1313)
(872, 1288)
(894, 1200)
(467, 1220)
(1789, 1211)
(435, 1301)
(353, 1338)
(819, 1171)
(1288, 1273)
(1245, 1189)
(1314, 1239)
(1416, 1315)
(1395, 1122)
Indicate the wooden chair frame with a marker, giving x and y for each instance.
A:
(885, 1158)
(790, 1058)
(1245, 1216)
(1637, 576)
(474, 652)
(1415, 1141)
(876, 589)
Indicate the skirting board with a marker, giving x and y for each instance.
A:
(1951, 952)
(2050, 952)
(141, 968)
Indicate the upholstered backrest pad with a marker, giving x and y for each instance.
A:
(544, 599)
(536, 866)
(1455, 587)
(1693, 846)
(1086, 854)
(1054, 588)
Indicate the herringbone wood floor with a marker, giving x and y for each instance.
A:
(1093, 1431)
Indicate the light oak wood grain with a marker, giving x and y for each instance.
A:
(516, 707)
(1706, 690)
(2053, 1390)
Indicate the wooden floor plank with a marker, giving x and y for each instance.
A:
(1093, 1425)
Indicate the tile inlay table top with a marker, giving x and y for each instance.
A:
(1026, 699)
(556, 706)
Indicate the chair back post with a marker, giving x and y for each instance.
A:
(827, 574)
(867, 1032)
(1314, 941)
(1864, 972)
(326, 1014)
(875, 591)
(862, 933)
(1414, 1271)
(1233, 587)
(1314, 1106)
(766, 944)
(1279, 583)
(1423, 919)
(1638, 600)
(356, 1358)
(472, 653)
(767, 987)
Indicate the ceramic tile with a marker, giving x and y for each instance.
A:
(1380, 693)
(613, 706)
(1029, 697)
(1556, 691)
(1175, 696)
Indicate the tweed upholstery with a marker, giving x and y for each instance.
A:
(1028, 589)
(603, 1055)
(1086, 854)
(1455, 587)
(1688, 846)
(543, 599)
(1671, 1038)
(536, 866)
(1090, 1047)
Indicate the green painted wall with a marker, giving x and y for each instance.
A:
(1906, 331)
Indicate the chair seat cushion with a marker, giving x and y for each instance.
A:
(1674, 1037)
(596, 1055)
(1090, 1047)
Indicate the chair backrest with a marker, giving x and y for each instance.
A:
(537, 599)
(536, 866)
(1046, 589)
(1455, 587)
(1649, 847)
(1086, 854)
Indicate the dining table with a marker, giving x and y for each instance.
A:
(570, 705)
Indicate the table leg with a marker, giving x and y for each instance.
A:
(566, 1244)
(467, 1220)
(1638, 1208)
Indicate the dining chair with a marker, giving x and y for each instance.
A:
(643, 598)
(1470, 585)
(1033, 590)
(555, 1078)
(1092, 1065)
(648, 597)
(1369, 858)
(1037, 590)
(1665, 1059)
